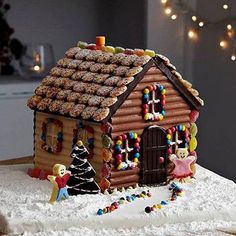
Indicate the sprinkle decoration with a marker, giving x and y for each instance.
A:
(123, 151)
(153, 96)
(169, 136)
(58, 146)
(175, 192)
(123, 200)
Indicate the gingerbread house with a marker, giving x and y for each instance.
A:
(131, 108)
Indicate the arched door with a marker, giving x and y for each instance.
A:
(153, 155)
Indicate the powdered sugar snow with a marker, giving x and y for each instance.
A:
(24, 208)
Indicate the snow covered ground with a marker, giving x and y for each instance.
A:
(208, 204)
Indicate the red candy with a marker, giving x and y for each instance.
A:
(193, 116)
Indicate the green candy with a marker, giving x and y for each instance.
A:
(150, 53)
(106, 141)
(119, 49)
(193, 129)
(110, 49)
(82, 44)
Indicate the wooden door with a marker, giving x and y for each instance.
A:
(153, 151)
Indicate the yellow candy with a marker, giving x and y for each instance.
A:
(119, 167)
(163, 91)
(150, 53)
(136, 160)
(146, 117)
(142, 195)
(119, 142)
(135, 135)
(192, 144)
(110, 49)
(159, 206)
(146, 90)
(168, 136)
(161, 117)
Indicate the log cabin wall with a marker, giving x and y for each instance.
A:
(129, 117)
(46, 161)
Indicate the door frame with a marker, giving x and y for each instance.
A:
(142, 171)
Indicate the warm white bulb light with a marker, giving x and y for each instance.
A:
(192, 34)
(229, 26)
(223, 43)
(36, 68)
(194, 18)
(233, 57)
(174, 17)
(225, 6)
(201, 24)
(168, 11)
(163, 1)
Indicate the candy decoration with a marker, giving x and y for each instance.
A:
(193, 129)
(106, 141)
(193, 116)
(122, 150)
(82, 45)
(130, 198)
(119, 50)
(176, 191)
(110, 49)
(106, 127)
(104, 184)
(106, 155)
(193, 140)
(192, 144)
(58, 146)
(150, 53)
(178, 129)
(153, 96)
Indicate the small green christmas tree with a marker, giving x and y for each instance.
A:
(10, 48)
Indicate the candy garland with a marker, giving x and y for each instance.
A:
(152, 95)
(176, 191)
(115, 205)
(138, 52)
(90, 140)
(123, 140)
(45, 146)
(169, 136)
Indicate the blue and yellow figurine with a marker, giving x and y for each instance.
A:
(59, 180)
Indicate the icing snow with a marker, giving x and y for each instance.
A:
(24, 208)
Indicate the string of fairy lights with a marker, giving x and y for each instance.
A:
(174, 8)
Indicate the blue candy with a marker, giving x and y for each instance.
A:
(164, 203)
(100, 212)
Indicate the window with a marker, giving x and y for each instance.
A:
(177, 137)
(52, 135)
(153, 102)
(84, 133)
(127, 151)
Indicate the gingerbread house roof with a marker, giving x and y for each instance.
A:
(91, 83)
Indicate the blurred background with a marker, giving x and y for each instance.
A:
(202, 48)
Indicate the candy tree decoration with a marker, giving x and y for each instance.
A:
(86, 134)
(173, 135)
(127, 147)
(54, 146)
(153, 102)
